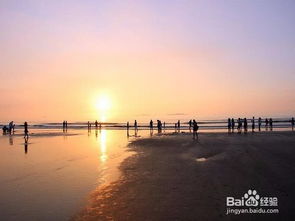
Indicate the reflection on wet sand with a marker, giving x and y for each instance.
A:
(11, 139)
(26, 146)
(103, 146)
(49, 171)
(172, 173)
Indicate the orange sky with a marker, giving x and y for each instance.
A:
(149, 60)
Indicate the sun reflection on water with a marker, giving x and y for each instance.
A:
(103, 146)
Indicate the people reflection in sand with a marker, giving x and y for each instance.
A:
(10, 139)
(151, 133)
(26, 146)
(26, 138)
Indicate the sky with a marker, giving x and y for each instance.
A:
(121, 60)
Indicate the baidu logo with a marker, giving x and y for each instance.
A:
(251, 198)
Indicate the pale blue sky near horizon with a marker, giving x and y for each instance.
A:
(245, 49)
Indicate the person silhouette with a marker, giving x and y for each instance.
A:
(195, 130)
(228, 124)
(26, 131)
(270, 123)
(127, 126)
(135, 125)
(266, 122)
(178, 124)
(232, 124)
(253, 124)
(259, 123)
(245, 125)
(292, 123)
(96, 124)
(4, 129)
(190, 124)
(151, 125)
(239, 125)
(159, 126)
(11, 127)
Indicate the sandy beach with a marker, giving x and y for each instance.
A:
(173, 177)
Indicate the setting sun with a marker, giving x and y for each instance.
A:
(103, 103)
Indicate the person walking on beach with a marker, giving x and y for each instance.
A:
(228, 124)
(4, 129)
(159, 126)
(270, 123)
(292, 123)
(11, 127)
(178, 124)
(232, 124)
(151, 125)
(245, 125)
(259, 123)
(64, 126)
(135, 124)
(266, 122)
(26, 131)
(96, 124)
(195, 130)
(127, 126)
(190, 124)
(253, 124)
(239, 125)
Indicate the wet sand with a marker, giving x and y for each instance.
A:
(173, 177)
(50, 176)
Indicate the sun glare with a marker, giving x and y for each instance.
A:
(103, 103)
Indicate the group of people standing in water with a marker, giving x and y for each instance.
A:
(8, 129)
(11, 127)
(160, 126)
(65, 125)
(232, 124)
(96, 124)
(243, 123)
